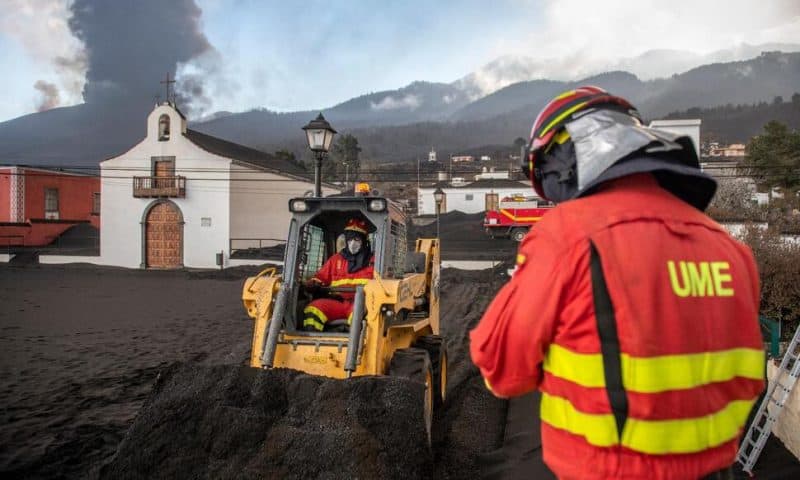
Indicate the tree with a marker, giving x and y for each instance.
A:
(733, 201)
(780, 278)
(344, 160)
(773, 158)
(290, 157)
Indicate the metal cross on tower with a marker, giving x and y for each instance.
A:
(167, 82)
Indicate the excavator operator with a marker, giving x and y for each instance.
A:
(631, 311)
(352, 266)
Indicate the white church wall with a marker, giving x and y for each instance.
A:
(260, 205)
(205, 208)
(120, 212)
(207, 183)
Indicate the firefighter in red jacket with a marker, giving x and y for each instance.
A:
(352, 266)
(631, 311)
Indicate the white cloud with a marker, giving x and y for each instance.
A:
(410, 101)
(575, 38)
(40, 27)
(745, 71)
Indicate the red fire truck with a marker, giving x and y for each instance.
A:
(514, 216)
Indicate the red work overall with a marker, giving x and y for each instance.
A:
(334, 273)
(684, 301)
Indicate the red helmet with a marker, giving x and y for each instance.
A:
(356, 225)
(558, 113)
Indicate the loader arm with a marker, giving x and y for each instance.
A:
(257, 295)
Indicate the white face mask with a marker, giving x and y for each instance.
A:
(354, 245)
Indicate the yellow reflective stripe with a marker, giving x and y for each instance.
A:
(314, 323)
(657, 374)
(514, 218)
(565, 95)
(598, 430)
(349, 281)
(353, 228)
(686, 435)
(316, 311)
(566, 113)
(559, 138)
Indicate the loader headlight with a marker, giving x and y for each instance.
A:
(298, 206)
(376, 205)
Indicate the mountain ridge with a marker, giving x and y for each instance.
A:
(424, 114)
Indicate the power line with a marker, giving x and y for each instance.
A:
(387, 170)
(371, 176)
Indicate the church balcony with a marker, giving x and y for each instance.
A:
(149, 187)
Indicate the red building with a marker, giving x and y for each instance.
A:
(38, 204)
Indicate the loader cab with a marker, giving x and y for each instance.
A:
(316, 233)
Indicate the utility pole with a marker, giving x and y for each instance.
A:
(417, 175)
(451, 167)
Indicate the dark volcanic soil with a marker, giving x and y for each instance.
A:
(81, 349)
(463, 238)
(239, 422)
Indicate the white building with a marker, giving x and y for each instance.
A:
(432, 155)
(720, 168)
(492, 174)
(471, 197)
(180, 197)
(688, 127)
(738, 150)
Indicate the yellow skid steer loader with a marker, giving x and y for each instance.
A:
(395, 320)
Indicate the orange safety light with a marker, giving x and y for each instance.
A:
(362, 188)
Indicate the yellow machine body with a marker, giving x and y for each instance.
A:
(398, 310)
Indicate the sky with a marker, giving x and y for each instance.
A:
(236, 55)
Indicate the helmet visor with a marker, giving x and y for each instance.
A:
(603, 137)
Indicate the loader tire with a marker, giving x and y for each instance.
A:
(415, 364)
(437, 351)
(518, 234)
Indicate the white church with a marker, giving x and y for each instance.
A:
(181, 198)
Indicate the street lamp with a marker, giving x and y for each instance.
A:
(319, 135)
(438, 197)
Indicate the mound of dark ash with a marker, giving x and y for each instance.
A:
(239, 422)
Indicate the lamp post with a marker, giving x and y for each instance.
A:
(438, 196)
(319, 135)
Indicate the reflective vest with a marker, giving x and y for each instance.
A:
(334, 274)
(658, 381)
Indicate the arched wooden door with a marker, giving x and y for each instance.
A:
(164, 237)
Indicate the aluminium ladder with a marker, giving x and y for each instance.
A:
(777, 393)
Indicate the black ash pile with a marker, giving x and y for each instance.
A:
(239, 422)
(463, 238)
